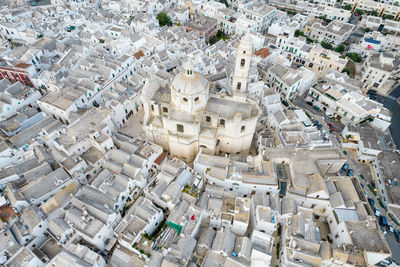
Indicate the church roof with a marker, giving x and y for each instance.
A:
(189, 84)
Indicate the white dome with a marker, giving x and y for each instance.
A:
(189, 83)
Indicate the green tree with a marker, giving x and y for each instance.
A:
(326, 45)
(359, 12)
(347, 70)
(354, 56)
(373, 13)
(347, 6)
(396, 4)
(224, 2)
(298, 33)
(163, 19)
(340, 49)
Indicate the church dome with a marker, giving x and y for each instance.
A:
(189, 82)
(189, 89)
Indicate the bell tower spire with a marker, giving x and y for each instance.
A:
(242, 65)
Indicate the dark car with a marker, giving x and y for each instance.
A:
(317, 108)
(285, 103)
(373, 184)
(371, 202)
(319, 126)
(345, 167)
(372, 97)
(309, 103)
(382, 221)
(350, 172)
(316, 123)
(397, 235)
(371, 92)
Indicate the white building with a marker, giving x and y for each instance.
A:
(15, 97)
(334, 33)
(185, 118)
(378, 69)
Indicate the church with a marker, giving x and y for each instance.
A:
(184, 117)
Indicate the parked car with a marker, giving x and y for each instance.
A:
(345, 167)
(371, 202)
(329, 115)
(390, 229)
(284, 102)
(316, 122)
(317, 108)
(330, 125)
(319, 126)
(372, 97)
(397, 235)
(310, 103)
(371, 92)
(377, 212)
(350, 172)
(382, 221)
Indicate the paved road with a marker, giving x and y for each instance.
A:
(394, 106)
(301, 102)
(394, 247)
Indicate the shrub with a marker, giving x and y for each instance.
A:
(347, 70)
(163, 19)
(340, 48)
(298, 33)
(347, 7)
(354, 56)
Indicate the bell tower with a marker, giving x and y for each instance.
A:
(242, 65)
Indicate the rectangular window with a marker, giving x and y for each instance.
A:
(152, 107)
(165, 110)
(208, 119)
(179, 128)
(243, 129)
(222, 122)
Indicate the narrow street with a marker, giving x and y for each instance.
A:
(355, 164)
(390, 102)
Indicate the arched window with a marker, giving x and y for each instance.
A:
(242, 62)
(185, 99)
(196, 99)
(238, 86)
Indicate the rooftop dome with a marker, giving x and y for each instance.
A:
(189, 82)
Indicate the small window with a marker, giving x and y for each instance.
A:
(179, 128)
(242, 129)
(242, 62)
(196, 99)
(152, 107)
(165, 110)
(208, 119)
(185, 99)
(222, 122)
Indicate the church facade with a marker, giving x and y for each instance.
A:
(183, 117)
